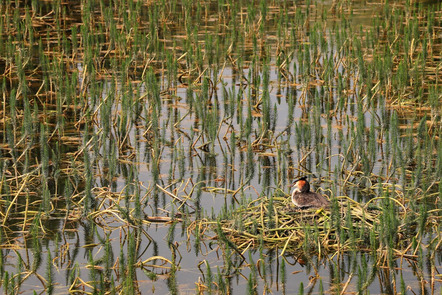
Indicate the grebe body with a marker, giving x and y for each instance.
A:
(303, 198)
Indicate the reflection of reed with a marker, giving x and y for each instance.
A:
(119, 116)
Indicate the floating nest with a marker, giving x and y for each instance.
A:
(346, 226)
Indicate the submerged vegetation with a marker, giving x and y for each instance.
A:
(134, 134)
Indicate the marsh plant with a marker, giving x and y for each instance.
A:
(135, 135)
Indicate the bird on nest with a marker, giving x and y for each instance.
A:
(303, 198)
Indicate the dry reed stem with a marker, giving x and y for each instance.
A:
(293, 227)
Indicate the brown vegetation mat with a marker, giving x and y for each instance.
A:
(386, 228)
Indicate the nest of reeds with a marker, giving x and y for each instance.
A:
(346, 226)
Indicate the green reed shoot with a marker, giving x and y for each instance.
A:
(131, 260)
(209, 278)
(346, 76)
(6, 283)
(301, 288)
(49, 273)
(108, 259)
(252, 281)
(221, 282)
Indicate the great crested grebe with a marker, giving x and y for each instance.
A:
(303, 198)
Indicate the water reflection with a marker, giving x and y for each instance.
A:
(104, 133)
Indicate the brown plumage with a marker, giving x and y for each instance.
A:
(303, 198)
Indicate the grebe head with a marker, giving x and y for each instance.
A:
(301, 185)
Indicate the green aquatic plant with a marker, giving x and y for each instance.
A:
(111, 108)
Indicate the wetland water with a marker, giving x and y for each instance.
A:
(149, 147)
